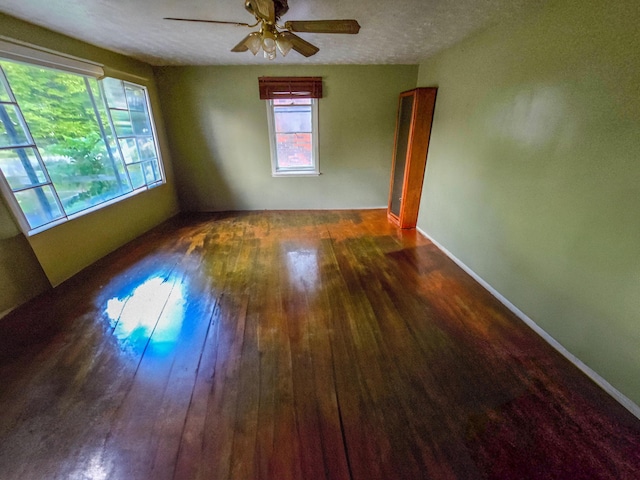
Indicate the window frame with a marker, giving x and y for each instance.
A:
(277, 171)
(8, 192)
(154, 135)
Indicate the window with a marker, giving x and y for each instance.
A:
(292, 114)
(69, 142)
(293, 135)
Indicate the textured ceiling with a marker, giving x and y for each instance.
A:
(404, 31)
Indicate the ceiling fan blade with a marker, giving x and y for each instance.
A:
(239, 24)
(263, 9)
(323, 26)
(242, 46)
(299, 45)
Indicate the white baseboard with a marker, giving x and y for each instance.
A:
(601, 382)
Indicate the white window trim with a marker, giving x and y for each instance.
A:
(294, 172)
(19, 216)
(43, 57)
(14, 207)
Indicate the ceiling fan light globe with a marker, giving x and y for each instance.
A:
(270, 55)
(268, 44)
(268, 40)
(254, 42)
(284, 45)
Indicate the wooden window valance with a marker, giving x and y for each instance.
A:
(272, 88)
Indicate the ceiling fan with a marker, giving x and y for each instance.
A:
(272, 35)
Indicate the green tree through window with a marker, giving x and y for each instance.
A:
(62, 152)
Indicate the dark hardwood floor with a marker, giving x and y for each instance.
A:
(292, 345)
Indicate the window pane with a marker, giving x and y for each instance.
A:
(151, 172)
(292, 101)
(97, 185)
(103, 114)
(136, 99)
(136, 175)
(146, 147)
(61, 116)
(21, 168)
(156, 171)
(114, 91)
(140, 121)
(122, 122)
(293, 119)
(11, 131)
(4, 94)
(129, 150)
(294, 150)
(111, 149)
(39, 205)
(135, 137)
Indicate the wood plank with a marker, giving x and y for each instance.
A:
(358, 424)
(219, 421)
(277, 447)
(243, 453)
(189, 455)
(198, 317)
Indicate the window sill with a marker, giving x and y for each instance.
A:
(296, 174)
(87, 211)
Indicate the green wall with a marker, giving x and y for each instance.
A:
(533, 175)
(66, 249)
(21, 277)
(218, 135)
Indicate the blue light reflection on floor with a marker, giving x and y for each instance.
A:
(150, 317)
